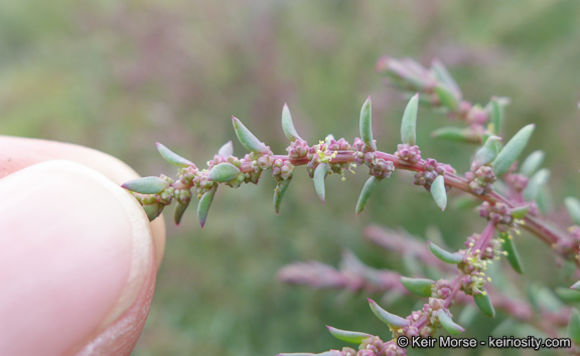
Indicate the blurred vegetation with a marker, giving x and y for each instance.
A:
(120, 75)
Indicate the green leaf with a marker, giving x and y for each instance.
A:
(448, 324)
(288, 125)
(319, 175)
(512, 254)
(520, 212)
(409, 122)
(153, 210)
(447, 98)
(419, 286)
(223, 172)
(146, 185)
(246, 137)
(204, 204)
(483, 302)
(353, 337)
(535, 184)
(445, 256)
(456, 134)
(488, 152)
(512, 150)
(497, 115)
(226, 150)
(365, 193)
(439, 193)
(568, 295)
(366, 123)
(386, 317)
(573, 207)
(574, 327)
(172, 157)
(179, 210)
(442, 74)
(576, 286)
(279, 193)
(532, 163)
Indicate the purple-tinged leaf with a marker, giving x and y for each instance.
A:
(226, 150)
(179, 210)
(153, 210)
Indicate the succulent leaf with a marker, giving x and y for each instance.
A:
(353, 337)
(246, 137)
(366, 123)
(439, 192)
(448, 324)
(172, 157)
(419, 286)
(146, 185)
(223, 172)
(483, 302)
(204, 204)
(409, 121)
(386, 317)
(288, 125)
(445, 256)
(279, 193)
(365, 193)
(510, 152)
(319, 176)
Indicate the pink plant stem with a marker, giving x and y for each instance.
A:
(532, 224)
(485, 237)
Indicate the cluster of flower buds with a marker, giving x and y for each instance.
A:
(499, 214)
(432, 170)
(480, 179)
(408, 153)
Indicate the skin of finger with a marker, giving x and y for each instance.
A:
(76, 263)
(17, 153)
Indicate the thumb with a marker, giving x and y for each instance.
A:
(77, 263)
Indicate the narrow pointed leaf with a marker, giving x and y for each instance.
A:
(319, 175)
(496, 113)
(153, 210)
(419, 286)
(365, 193)
(386, 317)
(456, 134)
(179, 210)
(204, 204)
(574, 327)
(448, 324)
(483, 302)
(409, 122)
(353, 337)
(442, 74)
(576, 286)
(568, 295)
(488, 152)
(223, 172)
(446, 97)
(246, 137)
(226, 150)
(146, 185)
(366, 123)
(439, 193)
(512, 254)
(536, 184)
(445, 256)
(573, 207)
(279, 193)
(512, 150)
(173, 157)
(520, 211)
(288, 125)
(532, 163)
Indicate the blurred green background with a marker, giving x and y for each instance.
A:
(119, 75)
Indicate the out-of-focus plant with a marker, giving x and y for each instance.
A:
(510, 198)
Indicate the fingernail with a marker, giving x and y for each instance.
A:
(75, 250)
